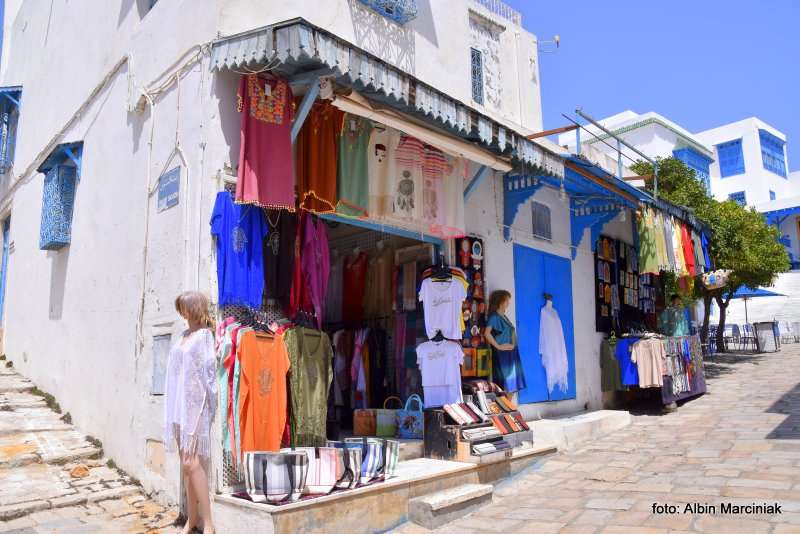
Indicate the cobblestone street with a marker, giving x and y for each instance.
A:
(739, 444)
(55, 479)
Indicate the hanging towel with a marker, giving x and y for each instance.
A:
(553, 349)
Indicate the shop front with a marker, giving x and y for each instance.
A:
(352, 299)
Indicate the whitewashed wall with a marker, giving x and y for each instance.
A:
(434, 47)
(485, 209)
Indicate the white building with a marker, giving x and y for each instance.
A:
(750, 163)
(87, 311)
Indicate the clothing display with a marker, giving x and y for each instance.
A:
(649, 356)
(239, 231)
(439, 363)
(265, 176)
(609, 369)
(189, 392)
(279, 245)
(629, 374)
(311, 357)
(316, 263)
(317, 149)
(353, 173)
(552, 348)
(333, 300)
(262, 394)
(442, 303)
(378, 288)
(354, 283)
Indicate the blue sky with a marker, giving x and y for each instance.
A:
(701, 64)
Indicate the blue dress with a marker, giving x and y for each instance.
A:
(506, 364)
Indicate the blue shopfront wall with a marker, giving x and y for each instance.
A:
(537, 273)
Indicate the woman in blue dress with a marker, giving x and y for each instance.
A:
(502, 336)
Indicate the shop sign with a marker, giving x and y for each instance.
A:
(168, 188)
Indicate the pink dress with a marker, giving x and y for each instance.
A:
(265, 175)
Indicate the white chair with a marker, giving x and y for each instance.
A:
(796, 332)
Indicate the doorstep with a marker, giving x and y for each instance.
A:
(570, 431)
(378, 507)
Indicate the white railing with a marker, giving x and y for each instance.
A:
(502, 9)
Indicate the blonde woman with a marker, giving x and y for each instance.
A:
(190, 399)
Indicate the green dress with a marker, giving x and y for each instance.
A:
(353, 175)
(310, 377)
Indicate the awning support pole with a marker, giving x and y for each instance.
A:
(305, 107)
(482, 173)
(619, 160)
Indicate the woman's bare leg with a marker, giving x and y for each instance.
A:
(199, 484)
(192, 515)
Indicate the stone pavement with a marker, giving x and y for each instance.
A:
(739, 444)
(55, 479)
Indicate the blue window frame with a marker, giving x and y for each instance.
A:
(541, 221)
(738, 197)
(772, 155)
(476, 61)
(731, 158)
(62, 170)
(10, 98)
(771, 195)
(696, 161)
(400, 11)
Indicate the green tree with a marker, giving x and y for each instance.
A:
(739, 240)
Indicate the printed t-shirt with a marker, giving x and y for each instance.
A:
(355, 274)
(353, 182)
(439, 363)
(279, 254)
(317, 154)
(406, 183)
(442, 306)
(265, 175)
(262, 393)
(629, 374)
(502, 329)
(240, 230)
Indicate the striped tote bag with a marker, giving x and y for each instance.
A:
(274, 477)
(350, 476)
(379, 458)
(325, 468)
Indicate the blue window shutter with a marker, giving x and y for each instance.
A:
(476, 60)
(738, 197)
(58, 199)
(731, 158)
(9, 119)
(696, 161)
(400, 11)
(772, 195)
(541, 221)
(772, 153)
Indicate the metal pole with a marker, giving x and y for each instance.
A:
(655, 180)
(619, 160)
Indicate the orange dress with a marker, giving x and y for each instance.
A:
(317, 158)
(264, 363)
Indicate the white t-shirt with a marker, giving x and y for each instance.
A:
(442, 307)
(439, 363)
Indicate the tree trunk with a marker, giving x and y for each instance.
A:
(723, 306)
(707, 298)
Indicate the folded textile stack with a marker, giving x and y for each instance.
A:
(463, 414)
(479, 433)
(486, 448)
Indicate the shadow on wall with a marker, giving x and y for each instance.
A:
(392, 42)
(226, 85)
(142, 7)
(59, 261)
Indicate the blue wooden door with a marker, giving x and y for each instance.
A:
(4, 266)
(536, 273)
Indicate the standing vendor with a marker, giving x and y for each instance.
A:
(501, 335)
(672, 321)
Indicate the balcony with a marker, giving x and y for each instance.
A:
(502, 9)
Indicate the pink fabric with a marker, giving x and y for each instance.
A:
(316, 264)
(265, 175)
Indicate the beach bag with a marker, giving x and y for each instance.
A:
(386, 419)
(274, 477)
(379, 458)
(364, 422)
(410, 421)
(325, 468)
(350, 477)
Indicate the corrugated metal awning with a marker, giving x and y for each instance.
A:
(296, 47)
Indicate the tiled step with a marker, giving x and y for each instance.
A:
(436, 509)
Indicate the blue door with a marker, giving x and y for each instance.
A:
(4, 266)
(536, 273)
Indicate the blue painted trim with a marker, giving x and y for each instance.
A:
(4, 266)
(517, 190)
(578, 140)
(305, 107)
(8, 96)
(476, 181)
(76, 158)
(595, 221)
(386, 229)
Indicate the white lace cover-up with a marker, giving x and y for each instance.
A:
(191, 392)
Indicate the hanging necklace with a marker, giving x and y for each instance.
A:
(269, 220)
